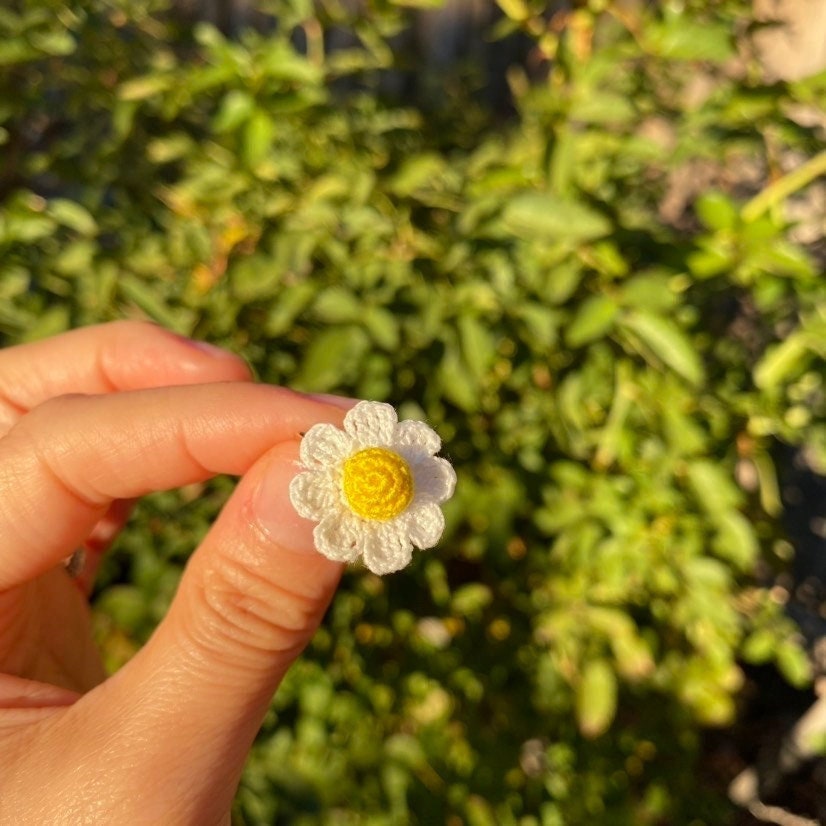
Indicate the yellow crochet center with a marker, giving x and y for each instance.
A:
(377, 483)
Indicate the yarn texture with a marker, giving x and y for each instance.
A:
(375, 487)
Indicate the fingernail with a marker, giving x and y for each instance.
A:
(272, 507)
(337, 401)
(205, 347)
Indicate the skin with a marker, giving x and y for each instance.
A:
(89, 421)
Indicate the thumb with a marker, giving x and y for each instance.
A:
(188, 705)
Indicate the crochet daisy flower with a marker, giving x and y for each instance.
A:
(374, 488)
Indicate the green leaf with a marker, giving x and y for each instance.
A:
(713, 487)
(72, 215)
(258, 135)
(649, 291)
(17, 51)
(142, 88)
(478, 347)
(236, 106)
(684, 38)
(480, 812)
(602, 108)
(794, 664)
(255, 278)
(631, 652)
(54, 43)
(562, 282)
(383, 327)
(281, 62)
(290, 303)
(25, 227)
(169, 148)
(782, 361)
(594, 319)
(596, 698)
(633, 656)
(471, 599)
(418, 4)
(333, 359)
(735, 540)
(665, 340)
(541, 215)
(759, 646)
(455, 381)
(55, 320)
(335, 305)
(416, 173)
(710, 260)
(784, 258)
(770, 498)
(405, 749)
(717, 211)
(125, 604)
(76, 258)
(541, 323)
(138, 291)
(208, 36)
(606, 258)
(685, 433)
(517, 10)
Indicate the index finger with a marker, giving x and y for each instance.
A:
(105, 358)
(66, 461)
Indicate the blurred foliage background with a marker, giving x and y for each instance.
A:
(581, 249)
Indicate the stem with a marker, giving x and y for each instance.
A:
(315, 41)
(790, 183)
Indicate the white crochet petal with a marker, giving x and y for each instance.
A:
(318, 493)
(322, 445)
(339, 537)
(314, 494)
(425, 525)
(418, 435)
(371, 424)
(387, 547)
(434, 479)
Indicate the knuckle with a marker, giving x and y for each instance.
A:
(39, 447)
(118, 344)
(13, 407)
(38, 424)
(51, 410)
(239, 604)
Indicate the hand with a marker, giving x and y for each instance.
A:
(163, 740)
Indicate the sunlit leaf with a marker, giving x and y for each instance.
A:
(782, 361)
(142, 88)
(71, 214)
(596, 698)
(594, 319)
(258, 134)
(542, 215)
(667, 342)
(333, 357)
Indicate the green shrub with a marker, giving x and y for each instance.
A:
(599, 362)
